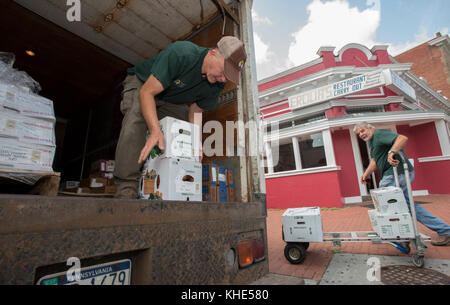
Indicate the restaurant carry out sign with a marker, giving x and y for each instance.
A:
(353, 85)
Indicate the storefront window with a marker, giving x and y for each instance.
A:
(286, 159)
(312, 151)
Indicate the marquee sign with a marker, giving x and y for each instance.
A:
(350, 86)
(399, 85)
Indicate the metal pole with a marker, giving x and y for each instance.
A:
(85, 143)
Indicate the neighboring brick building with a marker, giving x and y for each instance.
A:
(431, 60)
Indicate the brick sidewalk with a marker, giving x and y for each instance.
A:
(350, 218)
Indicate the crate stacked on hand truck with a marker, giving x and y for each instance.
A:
(392, 221)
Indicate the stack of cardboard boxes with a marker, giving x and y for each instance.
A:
(391, 218)
(175, 173)
(100, 180)
(27, 134)
(218, 183)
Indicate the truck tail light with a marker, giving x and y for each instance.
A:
(259, 249)
(245, 253)
(251, 251)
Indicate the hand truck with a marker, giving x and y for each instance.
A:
(295, 251)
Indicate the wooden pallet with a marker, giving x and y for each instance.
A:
(86, 194)
(47, 185)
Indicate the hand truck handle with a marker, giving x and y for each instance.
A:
(405, 166)
(397, 182)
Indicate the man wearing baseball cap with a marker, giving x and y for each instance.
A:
(181, 81)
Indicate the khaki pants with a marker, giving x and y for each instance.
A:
(132, 135)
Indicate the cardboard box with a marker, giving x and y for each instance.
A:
(214, 182)
(110, 189)
(302, 225)
(171, 179)
(392, 226)
(103, 166)
(18, 155)
(209, 193)
(223, 194)
(230, 184)
(213, 190)
(182, 140)
(222, 184)
(230, 190)
(97, 185)
(389, 200)
(26, 129)
(99, 182)
(26, 103)
(229, 173)
(83, 190)
(205, 192)
(206, 172)
(106, 175)
(97, 190)
(67, 185)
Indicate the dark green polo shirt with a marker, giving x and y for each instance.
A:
(179, 69)
(379, 145)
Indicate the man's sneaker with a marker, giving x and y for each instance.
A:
(441, 241)
(127, 192)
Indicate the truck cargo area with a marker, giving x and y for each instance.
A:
(80, 66)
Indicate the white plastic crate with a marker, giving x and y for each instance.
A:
(171, 179)
(392, 226)
(302, 225)
(181, 139)
(389, 200)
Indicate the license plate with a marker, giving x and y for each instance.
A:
(114, 273)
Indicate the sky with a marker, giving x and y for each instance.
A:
(288, 33)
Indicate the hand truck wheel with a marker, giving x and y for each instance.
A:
(418, 260)
(295, 253)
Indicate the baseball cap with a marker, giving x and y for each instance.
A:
(233, 51)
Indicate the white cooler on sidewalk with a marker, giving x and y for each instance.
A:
(302, 225)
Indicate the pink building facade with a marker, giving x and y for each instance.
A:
(308, 112)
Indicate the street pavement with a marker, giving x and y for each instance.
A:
(348, 264)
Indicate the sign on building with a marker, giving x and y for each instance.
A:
(350, 86)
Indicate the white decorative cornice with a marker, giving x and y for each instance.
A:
(325, 49)
(422, 89)
(350, 120)
(379, 47)
(364, 49)
(439, 41)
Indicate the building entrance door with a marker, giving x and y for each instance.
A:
(375, 178)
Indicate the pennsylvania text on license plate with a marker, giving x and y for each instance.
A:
(114, 273)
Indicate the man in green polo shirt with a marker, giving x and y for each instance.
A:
(384, 145)
(181, 81)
